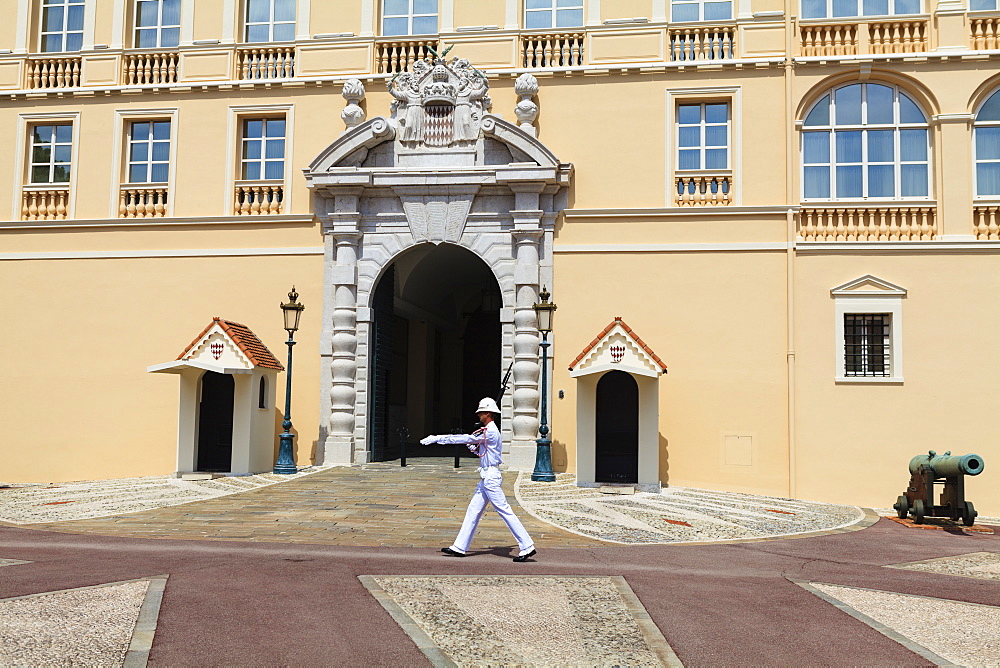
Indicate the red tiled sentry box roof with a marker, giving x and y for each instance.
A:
(632, 335)
(246, 340)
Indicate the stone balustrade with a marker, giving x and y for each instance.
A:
(397, 55)
(836, 39)
(256, 198)
(139, 69)
(265, 63)
(703, 190)
(898, 36)
(45, 203)
(985, 33)
(552, 50)
(986, 220)
(143, 202)
(874, 222)
(702, 43)
(54, 72)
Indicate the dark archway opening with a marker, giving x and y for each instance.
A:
(215, 423)
(435, 348)
(617, 437)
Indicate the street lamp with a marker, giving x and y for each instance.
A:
(292, 310)
(544, 310)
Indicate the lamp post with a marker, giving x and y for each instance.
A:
(544, 310)
(292, 310)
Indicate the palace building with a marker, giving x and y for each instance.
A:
(771, 228)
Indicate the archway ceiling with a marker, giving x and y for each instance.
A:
(442, 279)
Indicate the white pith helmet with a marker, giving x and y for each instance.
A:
(488, 405)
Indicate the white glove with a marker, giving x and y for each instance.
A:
(428, 440)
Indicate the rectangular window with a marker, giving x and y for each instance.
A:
(701, 10)
(263, 149)
(62, 25)
(51, 153)
(703, 136)
(409, 17)
(149, 151)
(819, 9)
(867, 344)
(157, 23)
(546, 14)
(983, 5)
(270, 21)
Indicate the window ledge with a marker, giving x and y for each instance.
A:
(881, 18)
(869, 380)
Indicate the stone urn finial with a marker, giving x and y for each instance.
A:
(353, 115)
(526, 110)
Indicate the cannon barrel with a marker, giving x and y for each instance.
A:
(948, 464)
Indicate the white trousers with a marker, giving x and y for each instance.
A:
(489, 490)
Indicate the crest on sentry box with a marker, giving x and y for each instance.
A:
(229, 345)
(617, 347)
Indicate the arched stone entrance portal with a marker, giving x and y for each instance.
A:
(435, 346)
(464, 178)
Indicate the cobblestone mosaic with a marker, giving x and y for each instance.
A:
(529, 621)
(36, 503)
(980, 565)
(677, 514)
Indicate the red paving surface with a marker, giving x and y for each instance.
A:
(233, 603)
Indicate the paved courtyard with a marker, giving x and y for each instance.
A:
(340, 566)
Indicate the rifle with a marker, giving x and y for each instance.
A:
(506, 379)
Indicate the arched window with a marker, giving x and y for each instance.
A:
(262, 393)
(987, 142)
(865, 141)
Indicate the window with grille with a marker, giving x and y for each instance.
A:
(62, 25)
(149, 152)
(545, 14)
(865, 141)
(867, 344)
(157, 23)
(409, 17)
(703, 136)
(263, 149)
(818, 9)
(51, 153)
(987, 147)
(270, 21)
(701, 10)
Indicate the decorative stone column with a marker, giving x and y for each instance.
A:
(342, 275)
(526, 368)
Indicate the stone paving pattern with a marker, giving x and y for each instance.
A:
(678, 514)
(964, 634)
(481, 621)
(372, 505)
(980, 565)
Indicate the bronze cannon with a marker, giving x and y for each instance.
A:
(947, 470)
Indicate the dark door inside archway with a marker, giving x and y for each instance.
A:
(617, 437)
(215, 423)
(435, 348)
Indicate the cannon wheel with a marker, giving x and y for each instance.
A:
(902, 507)
(969, 516)
(918, 511)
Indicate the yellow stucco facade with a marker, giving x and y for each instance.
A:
(729, 271)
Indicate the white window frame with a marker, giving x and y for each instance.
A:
(869, 295)
(702, 126)
(53, 144)
(149, 162)
(237, 114)
(263, 159)
(554, 7)
(733, 96)
(995, 7)
(119, 166)
(410, 15)
(64, 32)
(23, 161)
(270, 23)
(860, 5)
(159, 27)
(701, 11)
(976, 124)
(896, 127)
